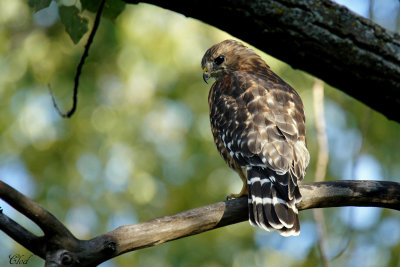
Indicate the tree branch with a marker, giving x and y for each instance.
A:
(60, 248)
(315, 195)
(45, 220)
(323, 38)
(21, 235)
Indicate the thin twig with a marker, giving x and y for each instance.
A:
(322, 163)
(397, 27)
(365, 123)
(342, 250)
(320, 125)
(371, 10)
(85, 54)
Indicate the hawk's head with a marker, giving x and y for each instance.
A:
(228, 56)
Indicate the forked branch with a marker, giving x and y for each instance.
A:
(60, 248)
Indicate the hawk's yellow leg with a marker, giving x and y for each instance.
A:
(244, 187)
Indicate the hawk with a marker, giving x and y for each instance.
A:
(258, 125)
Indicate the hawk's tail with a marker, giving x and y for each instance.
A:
(272, 201)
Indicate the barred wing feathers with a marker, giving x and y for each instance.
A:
(258, 121)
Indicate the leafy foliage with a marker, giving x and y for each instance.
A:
(71, 16)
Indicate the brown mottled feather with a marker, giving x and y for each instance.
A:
(258, 124)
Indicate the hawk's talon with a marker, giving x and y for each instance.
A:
(230, 197)
(242, 192)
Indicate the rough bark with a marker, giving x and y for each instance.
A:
(60, 248)
(345, 50)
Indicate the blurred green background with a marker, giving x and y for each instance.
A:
(140, 146)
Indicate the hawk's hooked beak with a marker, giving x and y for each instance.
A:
(206, 75)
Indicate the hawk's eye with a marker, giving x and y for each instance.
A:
(218, 60)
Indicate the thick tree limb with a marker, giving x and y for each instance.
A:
(327, 40)
(60, 248)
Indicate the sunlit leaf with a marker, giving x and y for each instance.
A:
(91, 5)
(75, 25)
(112, 8)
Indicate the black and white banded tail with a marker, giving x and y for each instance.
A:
(272, 200)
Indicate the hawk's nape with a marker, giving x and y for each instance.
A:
(258, 125)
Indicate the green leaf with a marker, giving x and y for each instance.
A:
(37, 5)
(91, 5)
(112, 8)
(75, 25)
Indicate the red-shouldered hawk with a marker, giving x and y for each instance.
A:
(258, 124)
